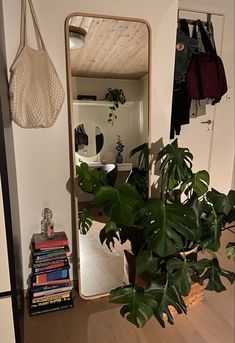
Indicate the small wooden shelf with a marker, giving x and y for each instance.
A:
(100, 103)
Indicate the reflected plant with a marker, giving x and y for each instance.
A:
(119, 146)
(117, 97)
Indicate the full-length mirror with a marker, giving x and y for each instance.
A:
(109, 78)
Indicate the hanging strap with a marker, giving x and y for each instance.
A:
(23, 31)
(183, 25)
(206, 40)
(23, 37)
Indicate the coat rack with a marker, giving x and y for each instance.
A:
(192, 21)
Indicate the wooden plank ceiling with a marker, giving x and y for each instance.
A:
(113, 48)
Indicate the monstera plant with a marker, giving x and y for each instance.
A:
(161, 230)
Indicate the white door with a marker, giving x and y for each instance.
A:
(198, 134)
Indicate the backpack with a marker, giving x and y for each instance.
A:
(206, 75)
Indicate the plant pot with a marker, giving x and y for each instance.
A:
(119, 158)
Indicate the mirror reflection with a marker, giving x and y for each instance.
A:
(89, 139)
(109, 77)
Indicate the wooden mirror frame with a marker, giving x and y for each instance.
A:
(74, 204)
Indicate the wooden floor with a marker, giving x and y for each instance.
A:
(97, 321)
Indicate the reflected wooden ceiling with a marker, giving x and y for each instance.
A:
(113, 48)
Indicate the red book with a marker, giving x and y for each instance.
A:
(54, 282)
(41, 242)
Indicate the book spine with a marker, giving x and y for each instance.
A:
(51, 244)
(50, 258)
(49, 287)
(42, 254)
(50, 249)
(51, 292)
(50, 302)
(46, 283)
(51, 262)
(49, 269)
(51, 297)
(51, 308)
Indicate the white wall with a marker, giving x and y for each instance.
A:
(42, 158)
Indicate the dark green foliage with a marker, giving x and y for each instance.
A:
(166, 296)
(138, 305)
(161, 230)
(121, 204)
(85, 221)
(222, 203)
(179, 273)
(167, 226)
(108, 234)
(116, 96)
(230, 249)
(146, 262)
(176, 163)
(90, 180)
(143, 157)
(210, 269)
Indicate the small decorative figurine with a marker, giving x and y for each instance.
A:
(47, 224)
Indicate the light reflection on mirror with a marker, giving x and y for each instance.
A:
(114, 55)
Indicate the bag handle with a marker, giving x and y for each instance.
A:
(184, 26)
(23, 30)
(206, 40)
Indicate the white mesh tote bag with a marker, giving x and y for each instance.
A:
(36, 93)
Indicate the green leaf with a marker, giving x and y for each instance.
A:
(90, 180)
(198, 182)
(176, 162)
(146, 262)
(121, 204)
(210, 269)
(222, 203)
(166, 296)
(138, 178)
(143, 158)
(179, 273)
(166, 225)
(108, 234)
(138, 306)
(230, 249)
(85, 221)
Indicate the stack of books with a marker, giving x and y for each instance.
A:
(51, 288)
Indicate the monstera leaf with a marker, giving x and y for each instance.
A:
(90, 180)
(108, 234)
(210, 269)
(222, 203)
(198, 183)
(179, 273)
(146, 262)
(121, 204)
(166, 296)
(138, 178)
(230, 249)
(85, 221)
(176, 163)
(166, 225)
(138, 306)
(143, 157)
